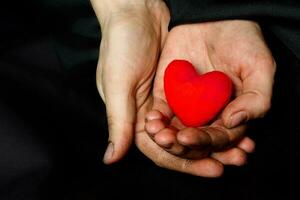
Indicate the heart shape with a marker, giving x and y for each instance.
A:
(195, 99)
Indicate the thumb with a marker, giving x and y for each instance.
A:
(245, 107)
(254, 100)
(120, 109)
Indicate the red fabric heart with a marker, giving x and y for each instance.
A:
(195, 99)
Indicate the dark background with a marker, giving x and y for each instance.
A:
(53, 129)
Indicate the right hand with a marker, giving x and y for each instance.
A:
(133, 33)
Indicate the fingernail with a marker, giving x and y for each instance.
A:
(237, 119)
(108, 153)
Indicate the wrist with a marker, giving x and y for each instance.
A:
(105, 9)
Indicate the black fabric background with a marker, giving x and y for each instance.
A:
(281, 17)
(53, 128)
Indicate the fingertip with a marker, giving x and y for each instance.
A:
(154, 126)
(153, 115)
(186, 136)
(240, 158)
(233, 156)
(247, 145)
(165, 138)
(233, 118)
(218, 171)
(193, 137)
(112, 154)
(213, 168)
(108, 155)
(120, 139)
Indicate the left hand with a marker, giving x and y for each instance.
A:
(235, 47)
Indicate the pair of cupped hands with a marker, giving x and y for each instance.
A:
(136, 48)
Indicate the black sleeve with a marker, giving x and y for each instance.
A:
(191, 11)
(280, 17)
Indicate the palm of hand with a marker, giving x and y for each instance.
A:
(234, 47)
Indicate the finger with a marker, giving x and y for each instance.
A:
(120, 108)
(202, 141)
(255, 98)
(222, 137)
(199, 142)
(194, 138)
(234, 156)
(204, 167)
(154, 114)
(166, 139)
(215, 137)
(154, 126)
(247, 145)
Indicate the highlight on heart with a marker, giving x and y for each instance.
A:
(195, 98)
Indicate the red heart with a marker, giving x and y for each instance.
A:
(195, 99)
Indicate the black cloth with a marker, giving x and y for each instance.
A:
(282, 18)
(53, 129)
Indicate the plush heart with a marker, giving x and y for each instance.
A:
(195, 99)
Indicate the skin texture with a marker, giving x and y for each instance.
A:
(235, 47)
(133, 34)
